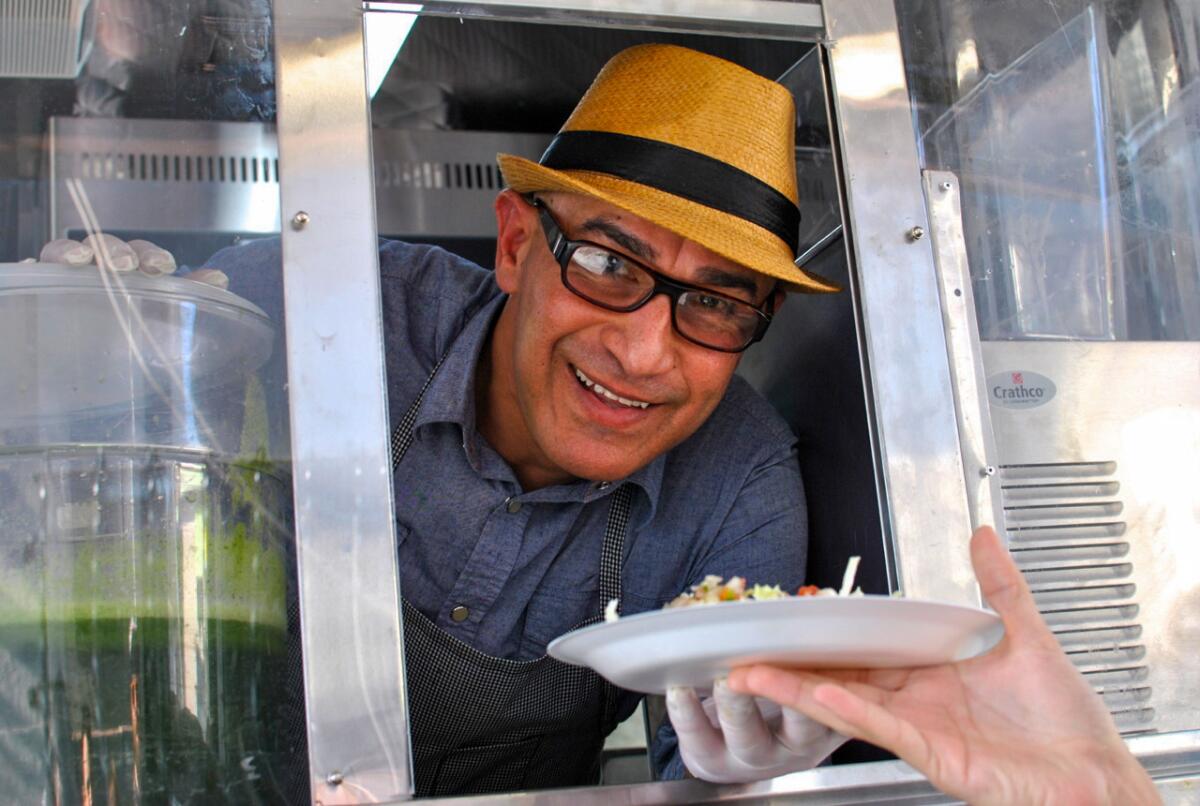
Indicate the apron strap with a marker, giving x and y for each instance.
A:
(402, 434)
(615, 529)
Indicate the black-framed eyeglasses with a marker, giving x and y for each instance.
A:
(619, 283)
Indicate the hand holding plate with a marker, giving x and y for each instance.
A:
(1018, 724)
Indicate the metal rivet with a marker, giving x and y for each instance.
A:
(512, 505)
(988, 471)
(946, 185)
(460, 614)
(916, 233)
(334, 778)
(300, 220)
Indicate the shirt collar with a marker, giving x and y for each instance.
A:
(450, 398)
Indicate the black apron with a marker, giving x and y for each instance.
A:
(486, 724)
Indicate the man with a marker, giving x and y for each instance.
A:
(569, 429)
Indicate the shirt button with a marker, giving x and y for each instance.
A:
(512, 505)
(460, 613)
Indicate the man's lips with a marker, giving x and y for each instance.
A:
(607, 394)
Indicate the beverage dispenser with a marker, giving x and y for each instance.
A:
(142, 542)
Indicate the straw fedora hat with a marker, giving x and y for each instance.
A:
(692, 143)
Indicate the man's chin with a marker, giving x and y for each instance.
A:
(592, 468)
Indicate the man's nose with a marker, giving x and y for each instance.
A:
(643, 340)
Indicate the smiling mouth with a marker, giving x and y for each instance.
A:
(601, 392)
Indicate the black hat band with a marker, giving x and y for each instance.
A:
(681, 172)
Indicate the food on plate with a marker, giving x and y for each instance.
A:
(715, 590)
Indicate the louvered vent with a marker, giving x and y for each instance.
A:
(142, 167)
(45, 38)
(437, 175)
(1067, 535)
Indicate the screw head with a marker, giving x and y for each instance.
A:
(946, 185)
(300, 220)
(334, 778)
(988, 471)
(916, 233)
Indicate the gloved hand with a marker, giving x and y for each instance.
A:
(736, 738)
(121, 256)
(111, 252)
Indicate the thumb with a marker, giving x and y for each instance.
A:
(1003, 587)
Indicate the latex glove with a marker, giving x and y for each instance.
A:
(112, 252)
(736, 738)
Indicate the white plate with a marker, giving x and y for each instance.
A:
(693, 646)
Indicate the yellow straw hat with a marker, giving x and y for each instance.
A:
(692, 143)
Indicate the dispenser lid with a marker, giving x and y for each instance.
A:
(78, 340)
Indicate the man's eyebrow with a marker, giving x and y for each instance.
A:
(626, 240)
(721, 278)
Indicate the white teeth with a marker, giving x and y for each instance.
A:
(600, 390)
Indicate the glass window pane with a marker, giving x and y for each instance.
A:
(1073, 131)
(146, 563)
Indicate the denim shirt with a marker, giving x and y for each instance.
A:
(728, 500)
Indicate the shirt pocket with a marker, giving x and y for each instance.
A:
(552, 613)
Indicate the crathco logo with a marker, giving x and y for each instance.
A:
(1020, 389)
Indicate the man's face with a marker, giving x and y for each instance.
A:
(554, 354)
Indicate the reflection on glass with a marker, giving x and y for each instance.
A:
(1075, 137)
(145, 502)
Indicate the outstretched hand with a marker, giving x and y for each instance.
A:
(1016, 725)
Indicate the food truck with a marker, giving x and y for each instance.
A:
(199, 591)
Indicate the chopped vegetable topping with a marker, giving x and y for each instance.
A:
(713, 590)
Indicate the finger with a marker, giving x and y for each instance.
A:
(64, 250)
(872, 723)
(697, 736)
(214, 277)
(790, 686)
(747, 736)
(805, 736)
(112, 253)
(1003, 587)
(152, 258)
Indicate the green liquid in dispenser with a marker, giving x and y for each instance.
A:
(142, 710)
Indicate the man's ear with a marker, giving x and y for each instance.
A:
(514, 236)
(777, 298)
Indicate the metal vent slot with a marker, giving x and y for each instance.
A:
(1087, 618)
(177, 168)
(1065, 527)
(1054, 556)
(1050, 514)
(1056, 473)
(1066, 493)
(428, 175)
(1098, 595)
(1063, 534)
(1121, 657)
(1063, 573)
(1098, 638)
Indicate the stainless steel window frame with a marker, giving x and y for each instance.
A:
(920, 469)
(358, 738)
(358, 741)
